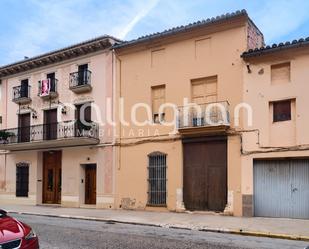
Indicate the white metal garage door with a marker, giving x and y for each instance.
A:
(281, 188)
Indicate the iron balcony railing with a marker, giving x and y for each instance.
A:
(21, 92)
(53, 87)
(80, 78)
(204, 115)
(52, 131)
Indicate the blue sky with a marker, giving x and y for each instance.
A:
(32, 27)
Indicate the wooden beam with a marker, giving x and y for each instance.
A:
(49, 60)
(83, 50)
(67, 55)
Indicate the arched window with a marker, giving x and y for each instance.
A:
(157, 179)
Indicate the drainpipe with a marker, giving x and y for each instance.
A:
(114, 149)
(117, 95)
(6, 126)
(119, 121)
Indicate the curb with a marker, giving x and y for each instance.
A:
(213, 230)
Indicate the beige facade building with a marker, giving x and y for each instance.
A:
(275, 165)
(49, 159)
(198, 167)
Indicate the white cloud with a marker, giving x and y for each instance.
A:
(60, 23)
(143, 12)
(278, 18)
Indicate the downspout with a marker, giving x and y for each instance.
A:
(6, 126)
(119, 121)
(117, 95)
(113, 128)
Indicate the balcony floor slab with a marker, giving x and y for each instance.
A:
(48, 144)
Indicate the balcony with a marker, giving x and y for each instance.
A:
(48, 89)
(80, 82)
(21, 94)
(204, 118)
(55, 135)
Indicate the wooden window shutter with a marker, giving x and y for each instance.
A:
(281, 73)
(158, 98)
(204, 90)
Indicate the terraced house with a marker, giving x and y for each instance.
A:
(275, 165)
(198, 167)
(47, 158)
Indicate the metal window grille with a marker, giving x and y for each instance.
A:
(22, 180)
(157, 179)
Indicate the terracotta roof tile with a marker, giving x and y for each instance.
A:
(276, 47)
(182, 28)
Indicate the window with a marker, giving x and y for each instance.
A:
(22, 180)
(83, 67)
(52, 78)
(48, 85)
(86, 115)
(281, 110)
(83, 74)
(204, 90)
(24, 88)
(281, 73)
(157, 57)
(83, 119)
(24, 130)
(158, 98)
(157, 179)
(202, 48)
(50, 127)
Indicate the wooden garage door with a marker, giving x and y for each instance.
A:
(281, 188)
(205, 173)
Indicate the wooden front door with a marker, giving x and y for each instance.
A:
(205, 174)
(52, 177)
(24, 127)
(90, 184)
(50, 124)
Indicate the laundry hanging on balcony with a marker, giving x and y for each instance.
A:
(44, 87)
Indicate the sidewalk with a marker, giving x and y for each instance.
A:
(267, 227)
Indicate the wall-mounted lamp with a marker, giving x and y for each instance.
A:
(64, 110)
(34, 115)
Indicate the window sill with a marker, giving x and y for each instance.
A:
(156, 205)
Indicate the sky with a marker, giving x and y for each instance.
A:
(33, 27)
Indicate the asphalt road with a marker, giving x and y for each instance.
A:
(67, 233)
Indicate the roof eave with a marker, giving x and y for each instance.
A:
(90, 46)
(182, 29)
(258, 52)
